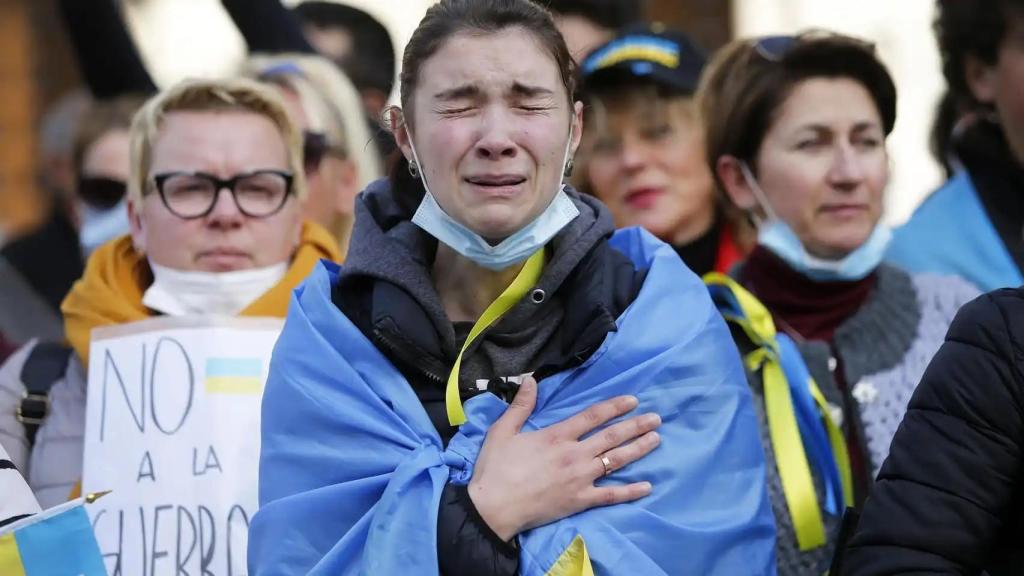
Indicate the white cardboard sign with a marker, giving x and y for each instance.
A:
(173, 429)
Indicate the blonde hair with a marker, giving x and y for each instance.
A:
(209, 95)
(638, 103)
(330, 101)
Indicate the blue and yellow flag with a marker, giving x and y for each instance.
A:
(234, 376)
(352, 469)
(57, 541)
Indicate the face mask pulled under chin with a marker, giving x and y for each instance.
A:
(179, 292)
(512, 250)
(775, 235)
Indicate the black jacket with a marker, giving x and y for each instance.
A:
(949, 497)
(49, 258)
(111, 64)
(589, 284)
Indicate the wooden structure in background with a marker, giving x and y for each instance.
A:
(708, 22)
(36, 67)
(19, 205)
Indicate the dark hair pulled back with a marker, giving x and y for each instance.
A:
(449, 18)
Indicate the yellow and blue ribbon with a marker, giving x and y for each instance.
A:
(800, 426)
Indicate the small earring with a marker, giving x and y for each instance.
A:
(414, 169)
(568, 168)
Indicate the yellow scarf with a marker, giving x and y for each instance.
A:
(116, 277)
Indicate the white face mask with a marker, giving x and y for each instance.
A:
(178, 292)
(510, 251)
(100, 226)
(777, 236)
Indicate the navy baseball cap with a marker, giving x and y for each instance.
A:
(649, 52)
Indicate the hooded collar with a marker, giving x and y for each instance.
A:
(116, 277)
(387, 246)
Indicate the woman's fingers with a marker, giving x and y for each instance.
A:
(609, 495)
(593, 417)
(519, 409)
(620, 433)
(612, 460)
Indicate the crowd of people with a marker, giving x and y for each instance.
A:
(587, 299)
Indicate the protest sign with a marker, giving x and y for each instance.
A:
(173, 429)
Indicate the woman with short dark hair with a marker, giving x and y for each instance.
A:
(461, 395)
(796, 129)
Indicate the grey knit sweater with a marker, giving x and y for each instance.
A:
(885, 348)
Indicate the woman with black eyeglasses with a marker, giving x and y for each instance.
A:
(796, 130)
(214, 205)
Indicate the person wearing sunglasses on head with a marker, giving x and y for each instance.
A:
(337, 157)
(834, 340)
(214, 208)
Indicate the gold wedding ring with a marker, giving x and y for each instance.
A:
(607, 465)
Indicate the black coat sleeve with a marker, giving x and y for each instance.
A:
(945, 496)
(466, 545)
(268, 26)
(107, 58)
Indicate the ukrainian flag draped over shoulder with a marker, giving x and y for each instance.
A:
(352, 469)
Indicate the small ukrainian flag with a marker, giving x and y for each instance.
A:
(57, 541)
(234, 376)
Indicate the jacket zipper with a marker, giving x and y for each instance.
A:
(416, 363)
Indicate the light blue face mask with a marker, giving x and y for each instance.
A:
(100, 226)
(777, 236)
(510, 251)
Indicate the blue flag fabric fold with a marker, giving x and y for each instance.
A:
(352, 470)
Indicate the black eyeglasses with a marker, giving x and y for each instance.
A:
(774, 48)
(190, 195)
(315, 147)
(99, 192)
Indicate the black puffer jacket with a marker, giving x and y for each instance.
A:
(950, 497)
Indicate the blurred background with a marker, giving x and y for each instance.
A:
(180, 38)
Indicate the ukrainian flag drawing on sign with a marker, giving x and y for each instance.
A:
(234, 376)
(57, 541)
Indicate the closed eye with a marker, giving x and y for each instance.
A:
(455, 111)
(810, 144)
